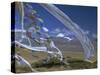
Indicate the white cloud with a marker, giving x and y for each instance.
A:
(63, 30)
(68, 38)
(45, 29)
(56, 31)
(60, 35)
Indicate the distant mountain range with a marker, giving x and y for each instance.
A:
(73, 45)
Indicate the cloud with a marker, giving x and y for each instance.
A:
(45, 29)
(60, 35)
(55, 31)
(68, 38)
(63, 30)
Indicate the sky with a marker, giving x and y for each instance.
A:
(84, 16)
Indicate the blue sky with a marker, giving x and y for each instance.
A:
(84, 16)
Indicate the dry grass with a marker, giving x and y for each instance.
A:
(36, 59)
